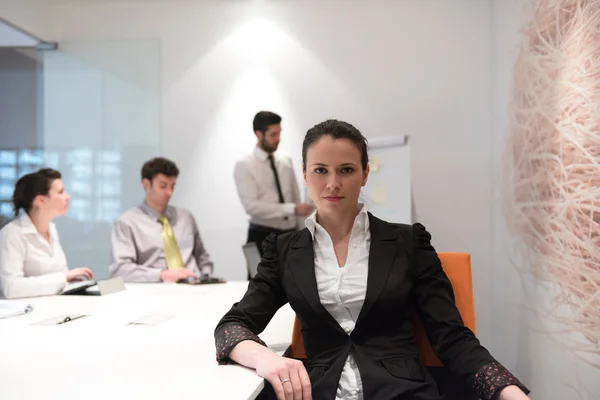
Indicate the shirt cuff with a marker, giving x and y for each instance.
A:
(493, 377)
(229, 338)
(289, 209)
(61, 277)
(154, 275)
(206, 270)
(60, 280)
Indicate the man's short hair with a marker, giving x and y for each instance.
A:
(263, 119)
(159, 165)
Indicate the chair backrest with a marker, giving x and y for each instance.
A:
(252, 256)
(458, 268)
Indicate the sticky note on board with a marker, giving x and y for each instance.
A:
(379, 195)
(375, 164)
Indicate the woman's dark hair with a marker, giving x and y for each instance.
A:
(30, 186)
(337, 130)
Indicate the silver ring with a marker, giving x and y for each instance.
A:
(284, 381)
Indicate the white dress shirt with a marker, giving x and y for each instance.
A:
(255, 183)
(342, 289)
(29, 264)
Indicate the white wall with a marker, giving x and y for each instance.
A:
(520, 329)
(30, 15)
(414, 67)
(18, 98)
(507, 17)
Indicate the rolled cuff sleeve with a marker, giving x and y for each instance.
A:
(493, 377)
(229, 337)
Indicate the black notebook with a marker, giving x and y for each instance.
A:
(201, 281)
(78, 287)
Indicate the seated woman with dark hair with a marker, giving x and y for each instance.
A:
(352, 279)
(32, 262)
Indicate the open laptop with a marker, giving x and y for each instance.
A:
(252, 257)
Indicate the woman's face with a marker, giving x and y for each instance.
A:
(334, 175)
(56, 202)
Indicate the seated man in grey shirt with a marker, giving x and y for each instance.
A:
(154, 241)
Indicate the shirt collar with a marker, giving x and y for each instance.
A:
(27, 225)
(360, 222)
(261, 154)
(169, 212)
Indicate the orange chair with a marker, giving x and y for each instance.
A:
(458, 268)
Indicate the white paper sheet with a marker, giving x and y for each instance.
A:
(10, 309)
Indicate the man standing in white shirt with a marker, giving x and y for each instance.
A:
(267, 185)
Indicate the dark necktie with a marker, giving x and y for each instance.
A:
(279, 192)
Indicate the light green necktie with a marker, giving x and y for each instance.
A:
(170, 247)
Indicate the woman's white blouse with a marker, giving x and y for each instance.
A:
(342, 290)
(29, 264)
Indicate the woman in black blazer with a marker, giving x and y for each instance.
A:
(355, 318)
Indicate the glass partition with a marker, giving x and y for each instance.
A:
(101, 121)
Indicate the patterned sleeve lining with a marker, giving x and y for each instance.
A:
(491, 378)
(229, 338)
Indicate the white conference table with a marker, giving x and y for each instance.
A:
(102, 356)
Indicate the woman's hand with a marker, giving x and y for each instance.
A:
(287, 376)
(511, 393)
(76, 274)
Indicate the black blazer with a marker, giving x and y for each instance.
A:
(404, 272)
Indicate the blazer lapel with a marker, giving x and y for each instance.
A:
(384, 245)
(302, 263)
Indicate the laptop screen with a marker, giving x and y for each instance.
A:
(252, 257)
